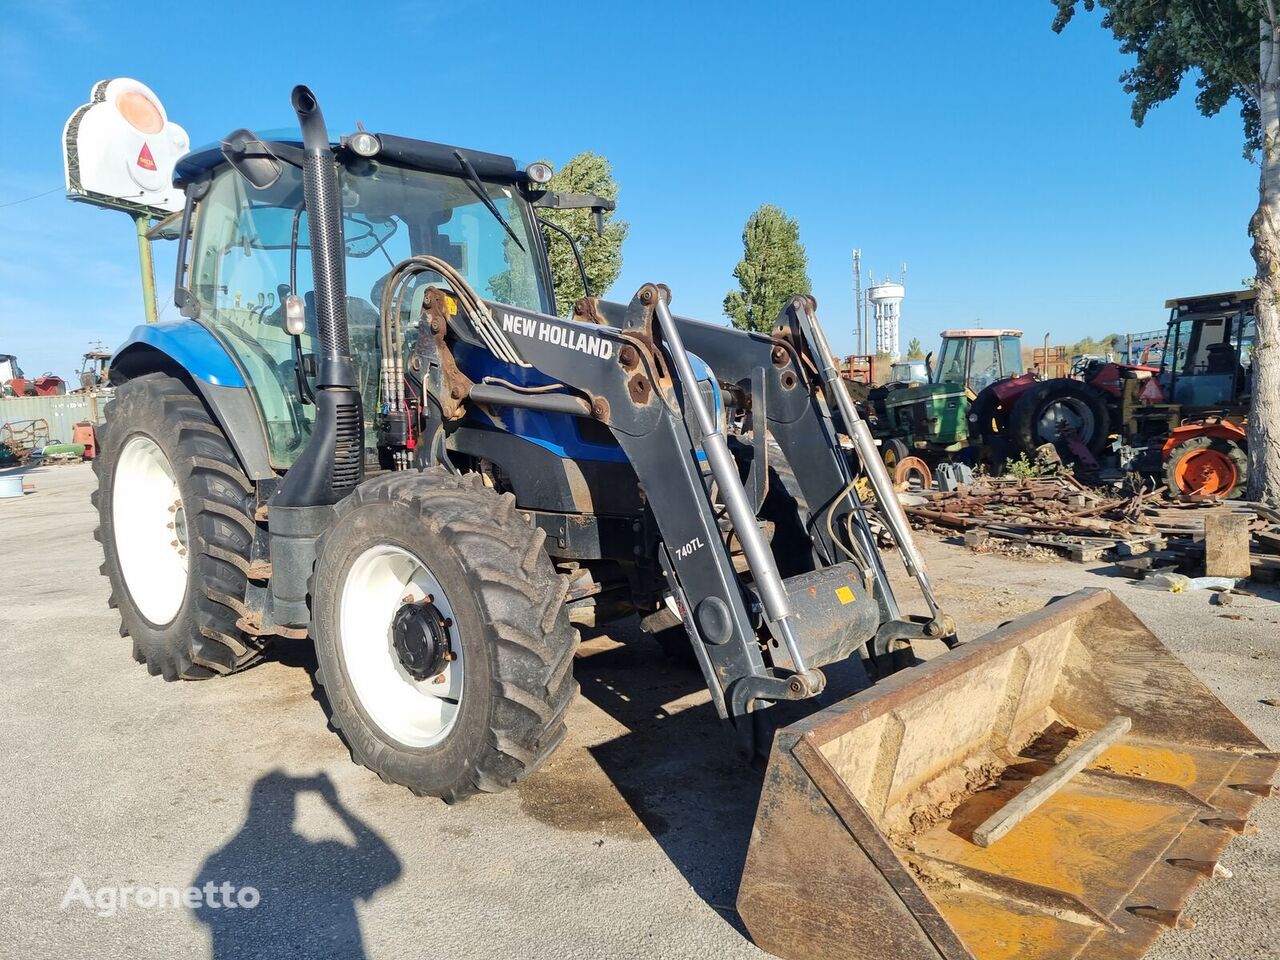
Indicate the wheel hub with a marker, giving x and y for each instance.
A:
(420, 638)
(1207, 472)
(1063, 416)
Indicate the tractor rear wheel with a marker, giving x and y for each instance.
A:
(176, 525)
(1050, 409)
(1211, 466)
(444, 645)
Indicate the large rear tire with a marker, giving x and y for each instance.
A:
(444, 645)
(176, 526)
(1046, 409)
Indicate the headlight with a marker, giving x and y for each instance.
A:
(364, 144)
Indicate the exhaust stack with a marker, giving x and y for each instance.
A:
(332, 463)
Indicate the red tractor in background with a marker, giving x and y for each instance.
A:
(1182, 420)
(14, 383)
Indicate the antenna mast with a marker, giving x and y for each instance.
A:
(857, 297)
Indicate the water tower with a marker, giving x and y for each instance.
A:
(886, 300)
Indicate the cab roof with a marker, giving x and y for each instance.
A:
(1205, 302)
(970, 334)
(398, 151)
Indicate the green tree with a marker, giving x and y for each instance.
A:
(914, 350)
(601, 255)
(1232, 49)
(773, 268)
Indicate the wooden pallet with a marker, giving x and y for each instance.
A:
(1077, 549)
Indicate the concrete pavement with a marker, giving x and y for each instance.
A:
(628, 843)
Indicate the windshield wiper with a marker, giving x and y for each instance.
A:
(477, 188)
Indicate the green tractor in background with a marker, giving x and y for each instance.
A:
(929, 421)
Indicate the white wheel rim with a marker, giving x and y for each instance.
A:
(416, 713)
(149, 527)
(1067, 413)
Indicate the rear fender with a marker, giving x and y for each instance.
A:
(187, 349)
(1221, 429)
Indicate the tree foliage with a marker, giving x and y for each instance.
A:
(1097, 346)
(914, 350)
(601, 255)
(773, 268)
(1217, 40)
(1232, 49)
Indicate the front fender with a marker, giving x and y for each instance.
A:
(191, 346)
(192, 349)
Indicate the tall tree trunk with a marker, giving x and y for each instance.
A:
(1264, 414)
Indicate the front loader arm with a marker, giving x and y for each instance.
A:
(756, 636)
(800, 421)
(626, 381)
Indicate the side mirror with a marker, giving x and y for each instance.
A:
(548, 200)
(251, 159)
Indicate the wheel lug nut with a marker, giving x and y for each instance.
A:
(438, 678)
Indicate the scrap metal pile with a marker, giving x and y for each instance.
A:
(1058, 513)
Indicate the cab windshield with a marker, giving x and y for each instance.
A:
(251, 248)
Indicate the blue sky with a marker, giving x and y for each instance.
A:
(994, 157)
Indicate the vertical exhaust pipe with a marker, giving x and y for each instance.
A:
(324, 223)
(331, 465)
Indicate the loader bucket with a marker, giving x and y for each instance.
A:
(1055, 789)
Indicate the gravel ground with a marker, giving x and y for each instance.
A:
(628, 843)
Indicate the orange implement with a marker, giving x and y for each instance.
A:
(1117, 778)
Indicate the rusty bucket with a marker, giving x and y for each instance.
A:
(1055, 789)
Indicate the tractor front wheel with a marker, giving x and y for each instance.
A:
(176, 525)
(444, 646)
(1211, 466)
(893, 451)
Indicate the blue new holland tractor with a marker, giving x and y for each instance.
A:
(370, 429)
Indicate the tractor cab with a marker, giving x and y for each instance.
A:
(909, 371)
(250, 250)
(978, 358)
(1208, 351)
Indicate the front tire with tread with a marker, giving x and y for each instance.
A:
(203, 639)
(508, 603)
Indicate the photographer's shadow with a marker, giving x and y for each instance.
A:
(306, 890)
